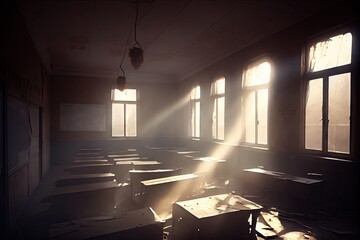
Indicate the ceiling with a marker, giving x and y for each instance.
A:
(179, 37)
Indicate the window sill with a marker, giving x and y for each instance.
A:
(337, 159)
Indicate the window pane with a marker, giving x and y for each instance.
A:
(339, 113)
(126, 95)
(262, 115)
(197, 118)
(221, 118)
(257, 74)
(333, 52)
(193, 116)
(313, 118)
(218, 87)
(214, 119)
(117, 120)
(195, 93)
(131, 120)
(250, 117)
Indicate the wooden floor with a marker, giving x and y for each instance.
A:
(37, 216)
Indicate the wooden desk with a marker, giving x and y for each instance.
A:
(88, 154)
(211, 168)
(136, 176)
(160, 193)
(130, 159)
(121, 168)
(89, 161)
(84, 200)
(139, 165)
(89, 168)
(301, 188)
(90, 150)
(84, 178)
(126, 155)
(87, 157)
(223, 216)
(142, 224)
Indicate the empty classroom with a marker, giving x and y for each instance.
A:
(179, 119)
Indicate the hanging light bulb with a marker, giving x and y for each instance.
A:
(121, 80)
(120, 83)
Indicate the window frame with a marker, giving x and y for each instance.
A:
(193, 102)
(125, 104)
(325, 74)
(214, 100)
(246, 90)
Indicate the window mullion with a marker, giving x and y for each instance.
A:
(256, 117)
(216, 117)
(325, 113)
(125, 135)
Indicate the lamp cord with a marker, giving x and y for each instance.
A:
(136, 19)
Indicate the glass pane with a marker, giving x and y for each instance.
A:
(257, 74)
(193, 116)
(221, 118)
(333, 52)
(197, 117)
(126, 95)
(218, 87)
(130, 120)
(339, 113)
(117, 120)
(195, 93)
(262, 115)
(250, 117)
(214, 119)
(313, 118)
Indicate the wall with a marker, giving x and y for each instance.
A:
(155, 115)
(24, 79)
(284, 153)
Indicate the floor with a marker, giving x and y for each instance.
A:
(276, 221)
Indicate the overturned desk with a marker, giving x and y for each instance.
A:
(305, 189)
(223, 216)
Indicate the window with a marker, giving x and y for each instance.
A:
(256, 78)
(195, 112)
(218, 115)
(328, 88)
(124, 113)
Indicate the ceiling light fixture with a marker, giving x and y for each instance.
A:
(136, 53)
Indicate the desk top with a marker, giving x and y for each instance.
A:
(170, 179)
(130, 159)
(123, 155)
(89, 161)
(209, 159)
(218, 204)
(86, 157)
(95, 227)
(94, 165)
(89, 187)
(283, 176)
(137, 163)
(187, 152)
(152, 171)
(85, 175)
